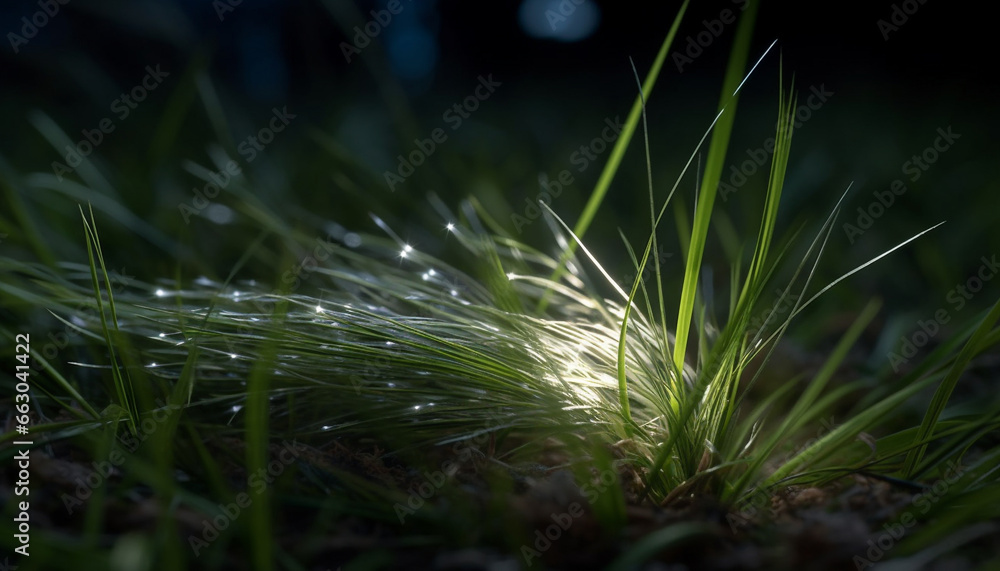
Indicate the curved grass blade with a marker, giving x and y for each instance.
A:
(618, 152)
(944, 390)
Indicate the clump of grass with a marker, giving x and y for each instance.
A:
(390, 346)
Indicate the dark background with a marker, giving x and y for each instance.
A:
(890, 97)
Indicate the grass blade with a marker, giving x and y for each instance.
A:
(944, 390)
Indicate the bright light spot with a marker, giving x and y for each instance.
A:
(432, 272)
(162, 335)
(511, 276)
(450, 227)
(151, 365)
(416, 407)
(426, 276)
(319, 309)
(232, 355)
(389, 343)
(407, 248)
(391, 385)
(160, 293)
(236, 407)
(454, 292)
(403, 254)
(327, 427)
(236, 294)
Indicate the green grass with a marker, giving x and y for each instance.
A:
(390, 355)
